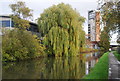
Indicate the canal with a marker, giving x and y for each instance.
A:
(51, 68)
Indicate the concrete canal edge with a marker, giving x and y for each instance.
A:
(114, 67)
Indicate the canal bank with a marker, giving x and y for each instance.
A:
(100, 71)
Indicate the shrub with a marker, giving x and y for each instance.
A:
(19, 45)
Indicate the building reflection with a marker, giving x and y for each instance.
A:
(91, 60)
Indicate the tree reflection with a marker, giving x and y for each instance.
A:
(50, 68)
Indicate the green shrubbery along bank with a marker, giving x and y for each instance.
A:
(19, 45)
(117, 55)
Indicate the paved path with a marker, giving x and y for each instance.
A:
(114, 67)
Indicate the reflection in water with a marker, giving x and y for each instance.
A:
(51, 68)
(91, 60)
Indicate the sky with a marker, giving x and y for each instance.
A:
(38, 6)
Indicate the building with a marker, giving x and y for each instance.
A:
(94, 27)
(97, 25)
(6, 22)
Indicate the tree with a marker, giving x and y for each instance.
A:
(104, 40)
(111, 16)
(21, 14)
(17, 45)
(61, 28)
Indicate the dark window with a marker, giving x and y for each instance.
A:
(88, 37)
(88, 29)
(33, 27)
(6, 23)
(12, 24)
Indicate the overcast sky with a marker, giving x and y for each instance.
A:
(38, 6)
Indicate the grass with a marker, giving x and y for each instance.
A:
(100, 71)
(117, 55)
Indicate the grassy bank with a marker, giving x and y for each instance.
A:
(117, 55)
(100, 71)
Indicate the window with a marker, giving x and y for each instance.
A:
(88, 37)
(6, 23)
(88, 29)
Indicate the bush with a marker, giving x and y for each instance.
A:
(117, 55)
(19, 45)
(118, 49)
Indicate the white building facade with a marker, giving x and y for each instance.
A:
(94, 27)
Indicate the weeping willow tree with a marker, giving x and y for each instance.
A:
(61, 28)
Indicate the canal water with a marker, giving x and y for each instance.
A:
(51, 68)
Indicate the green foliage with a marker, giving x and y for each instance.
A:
(20, 23)
(57, 41)
(111, 16)
(62, 29)
(19, 45)
(21, 14)
(117, 55)
(104, 40)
